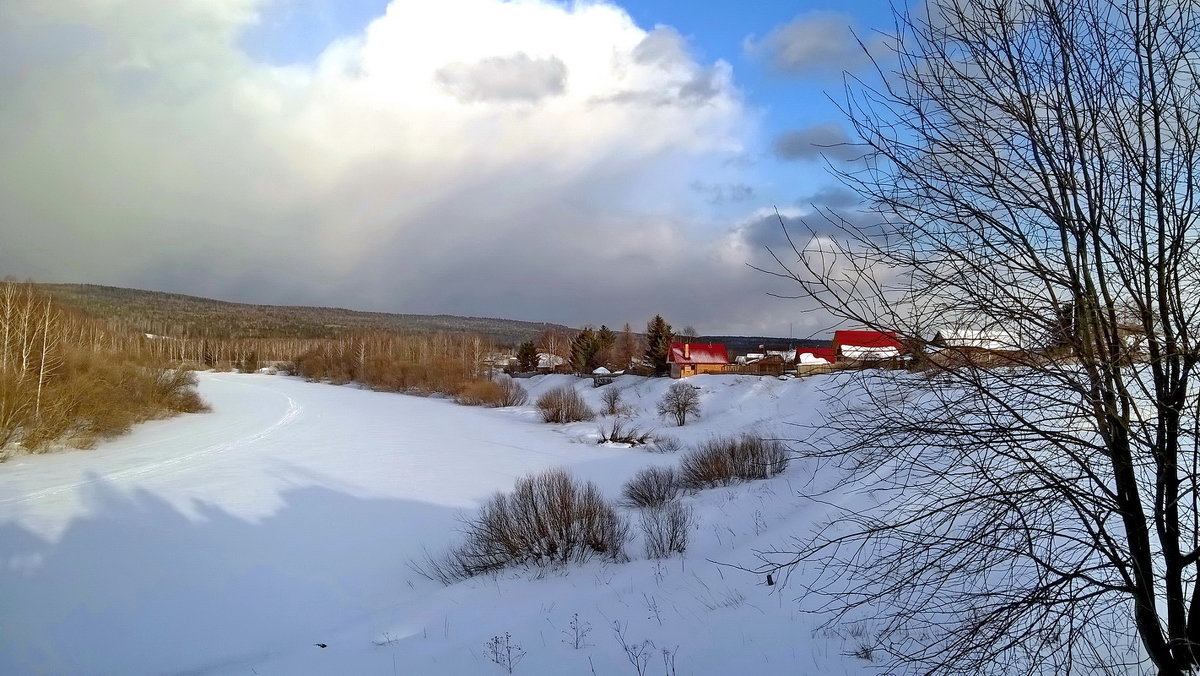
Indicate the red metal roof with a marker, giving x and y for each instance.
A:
(698, 353)
(866, 339)
(825, 353)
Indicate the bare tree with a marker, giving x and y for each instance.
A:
(48, 360)
(1031, 164)
(680, 401)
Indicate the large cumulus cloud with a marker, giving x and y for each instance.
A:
(523, 159)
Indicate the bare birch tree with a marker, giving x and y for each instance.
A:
(1033, 499)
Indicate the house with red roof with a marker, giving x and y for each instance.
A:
(866, 345)
(815, 355)
(688, 359)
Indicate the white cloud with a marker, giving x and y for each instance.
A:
(521, 158)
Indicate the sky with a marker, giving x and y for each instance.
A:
(579, 163)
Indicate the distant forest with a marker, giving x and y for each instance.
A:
(181, 316)
(177, 315)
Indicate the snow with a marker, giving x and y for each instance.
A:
(233, 542)
(857, 352)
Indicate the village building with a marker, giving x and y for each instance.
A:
(993, 340)
(867, 346)
(689, 359)
(815, 356)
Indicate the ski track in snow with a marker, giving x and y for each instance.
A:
(166, 465)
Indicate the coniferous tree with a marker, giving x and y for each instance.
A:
(658, 344)
(605, 342)
(584, 350)
(527, 358)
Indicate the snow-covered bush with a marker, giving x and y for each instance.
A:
(548, 518)
(652, 487)
(666, 529)
(563, 405)
(724, 461)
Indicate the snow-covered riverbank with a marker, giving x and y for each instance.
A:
(234, 542)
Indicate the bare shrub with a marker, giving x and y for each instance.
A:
(563, 405)
(492, 393)
(549, 518)
(666, 529)
(621, 432)
(725, 461)
(480, 393)
(679, 402)
(652, 487)
(514, 394)
(611, 398)
(175, 390)
(67, 379)
(502, 650)
(665, 443)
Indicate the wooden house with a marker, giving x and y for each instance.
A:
(689, 359)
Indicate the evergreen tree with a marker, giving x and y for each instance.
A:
(584, 350)
(605, 342)
(658, 344)
(527, 358)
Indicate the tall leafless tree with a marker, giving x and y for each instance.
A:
(1034, 488)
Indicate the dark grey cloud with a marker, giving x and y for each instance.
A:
(163, 158)
(825, 140)
(504, 78)
(665, 50)
(816, 43)
(769, 230)
(831, 197)
(700, 87)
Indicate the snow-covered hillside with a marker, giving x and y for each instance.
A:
(235, 542)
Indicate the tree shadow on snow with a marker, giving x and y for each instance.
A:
(138, 587)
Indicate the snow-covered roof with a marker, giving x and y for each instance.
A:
(869, 339)
(549, 361)
(698, 353)
(857, 352)
(787, 355)
(601, 371)
(984, 339)
(825, 354)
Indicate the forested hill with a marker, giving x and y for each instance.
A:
(744, 344)
(172, 314)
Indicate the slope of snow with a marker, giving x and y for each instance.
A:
(233, 542)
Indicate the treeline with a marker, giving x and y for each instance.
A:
(180, 316)
(415, 363)
(586, 350)
(68, 378)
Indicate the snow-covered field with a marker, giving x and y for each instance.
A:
(234, 542)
